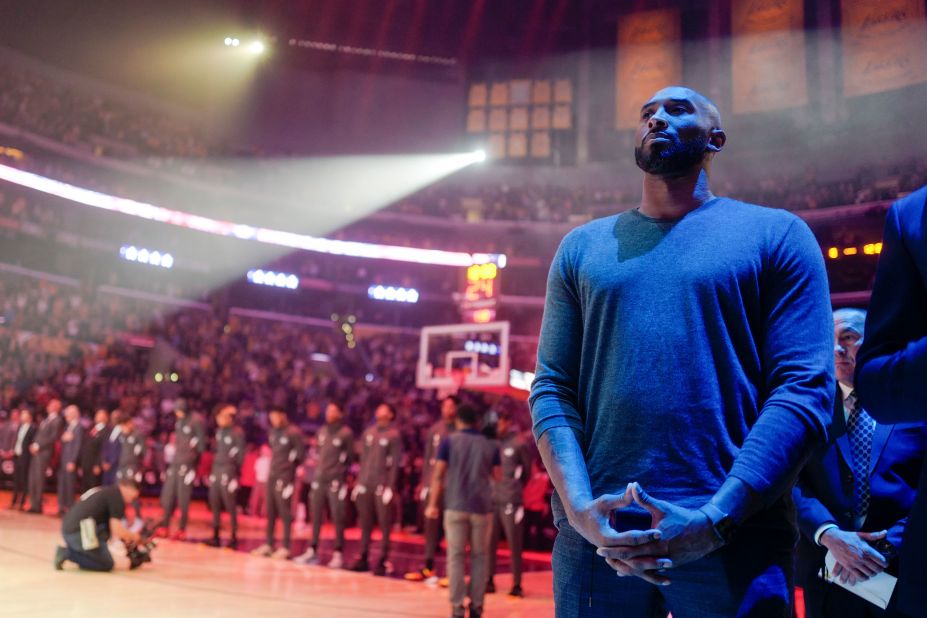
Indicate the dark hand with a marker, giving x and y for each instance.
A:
(687, 535)
(857, 561)
(592, 521)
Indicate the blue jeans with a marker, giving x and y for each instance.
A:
(98, 559)
(751, 577)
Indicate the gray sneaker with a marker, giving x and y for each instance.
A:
(264, 551)
(282, 553)
(309, 557)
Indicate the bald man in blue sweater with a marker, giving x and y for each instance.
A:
(685, 374)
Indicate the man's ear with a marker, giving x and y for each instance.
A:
(716, 140)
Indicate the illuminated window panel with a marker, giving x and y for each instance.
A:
(497, 146)
(540, 144)
(498, 120)
(479, 94)
(518, 146)
(499, 95)
(520, 92)
(563, 118)
(540, 94)
(518, 119)
(540, 118)
(476, 121)
(563, 91)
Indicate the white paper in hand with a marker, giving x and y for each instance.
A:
(877, 590)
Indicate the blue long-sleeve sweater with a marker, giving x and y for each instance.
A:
(682, 351)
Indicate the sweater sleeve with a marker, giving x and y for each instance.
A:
(554, 398)
(798, 362)
(893, 358)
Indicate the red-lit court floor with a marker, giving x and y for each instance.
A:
(191, 579)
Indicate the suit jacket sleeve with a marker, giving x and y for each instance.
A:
(812, 514)
(395, 451)
(893, 358)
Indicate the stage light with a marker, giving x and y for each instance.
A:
(139, 255)
(228, 41)
(393, 294)
(277, 280)
(256, 48)
(175, 377)
(393, 178)
(159, 377)
(479, 155)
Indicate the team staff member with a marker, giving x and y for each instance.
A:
(467, 463)
(380, 452)
(71, 441)
(103, 508)
(508, 500)
(433, 528)
(42, 449)
(91, 456)
(854, 496)
(335, 443)
(287, 450)
(112, 448)
(223, 478)
(22, 457)
(189, 444)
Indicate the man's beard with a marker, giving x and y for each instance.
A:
(674, 159)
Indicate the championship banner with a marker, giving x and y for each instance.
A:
(768, 69)
(649, 57)
(884, 45)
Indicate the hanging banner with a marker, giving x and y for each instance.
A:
(649, 57)
(768, 71)
(884, 45)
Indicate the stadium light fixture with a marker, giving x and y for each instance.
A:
(140, 255)
(273, 279)
(393, 294)
(256, 48)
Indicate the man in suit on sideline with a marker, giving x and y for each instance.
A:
(91, 456)
(112, 448)
(854, 495)
(892, 368)
(22, 458)
(43, 448)
(71, 441)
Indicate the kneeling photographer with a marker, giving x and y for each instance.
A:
(92, 521)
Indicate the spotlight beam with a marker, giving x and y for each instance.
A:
(280, 238)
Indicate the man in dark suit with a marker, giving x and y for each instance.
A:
(854, 495)
(43, 449)
(893, 364)
(91, 452)
(22, 458)
(71, 441)
(112, 448)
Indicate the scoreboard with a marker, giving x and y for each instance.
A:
(480, 295)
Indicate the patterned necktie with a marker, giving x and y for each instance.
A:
(860, 428)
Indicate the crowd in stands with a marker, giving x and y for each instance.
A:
(97, 350)
(77, 115)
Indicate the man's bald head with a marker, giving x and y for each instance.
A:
(705, 105)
